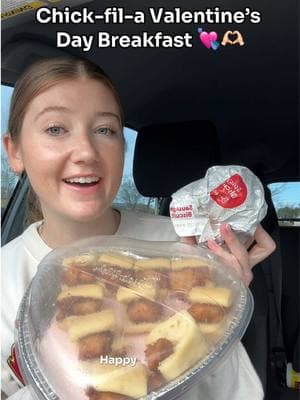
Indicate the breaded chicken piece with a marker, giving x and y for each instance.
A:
(95, 395)
(155, 381)
(206, 312)
(95, 345)
(157, 352)
(78, 275)
(186, 278)
(143, 310)
(75, 305)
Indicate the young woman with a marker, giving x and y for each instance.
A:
(65, 133)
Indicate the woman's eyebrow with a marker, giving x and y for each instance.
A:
(65, 109)
(51, 108)
(107, 114)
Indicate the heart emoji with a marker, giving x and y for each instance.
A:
(207, 38)
(232, 36)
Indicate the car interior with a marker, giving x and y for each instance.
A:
(194, 108)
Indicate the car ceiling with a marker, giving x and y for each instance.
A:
(250, 93)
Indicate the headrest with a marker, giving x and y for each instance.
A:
(169, 156)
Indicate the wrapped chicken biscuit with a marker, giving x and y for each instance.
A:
(227, 194)
(115, 318)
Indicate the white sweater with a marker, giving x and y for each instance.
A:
(235, 379)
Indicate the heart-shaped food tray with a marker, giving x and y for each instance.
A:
(115, 318)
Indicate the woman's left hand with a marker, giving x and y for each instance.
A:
(236, 254)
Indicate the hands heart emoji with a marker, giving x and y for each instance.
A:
(234, 37)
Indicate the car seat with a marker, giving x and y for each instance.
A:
(263, 338)
(169, 156)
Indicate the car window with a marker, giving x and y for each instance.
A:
(286, 199)
(8, 178)
(128, 196)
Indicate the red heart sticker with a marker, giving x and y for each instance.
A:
(231, 193)
(13, 363)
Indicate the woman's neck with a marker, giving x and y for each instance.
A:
(59, 233)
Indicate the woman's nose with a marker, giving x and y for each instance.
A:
(84, 149)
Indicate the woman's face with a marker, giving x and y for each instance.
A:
(71, 147)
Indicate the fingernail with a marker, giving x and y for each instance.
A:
(228, 228)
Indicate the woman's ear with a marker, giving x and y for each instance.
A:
(14, 155)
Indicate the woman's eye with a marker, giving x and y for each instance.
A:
(105, 131)
(55, 130)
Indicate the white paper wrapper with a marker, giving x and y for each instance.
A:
(227, 194)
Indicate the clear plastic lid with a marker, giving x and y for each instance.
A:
(119, 319)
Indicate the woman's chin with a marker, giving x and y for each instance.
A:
(88, 214)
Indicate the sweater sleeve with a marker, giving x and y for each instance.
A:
(18, 266)
(22, 394)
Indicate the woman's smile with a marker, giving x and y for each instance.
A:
(85, 184)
